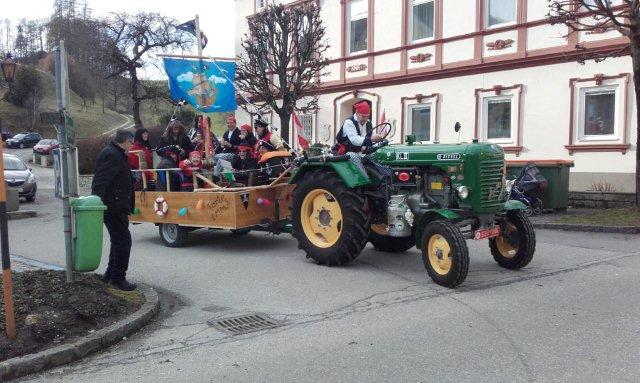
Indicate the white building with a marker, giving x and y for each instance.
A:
(496, 66)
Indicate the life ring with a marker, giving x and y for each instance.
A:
(161, 207)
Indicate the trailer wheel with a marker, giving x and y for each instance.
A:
(382, 242)
(240, 231)
(514, 248)
(329, 219)
(173, 235)
(445, 254)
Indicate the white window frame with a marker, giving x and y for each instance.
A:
(486, 17)
(260, 4)
(411, 5)
(350, 19)
(484, 126)
(312, 139)
(618, 121)
(432, 104)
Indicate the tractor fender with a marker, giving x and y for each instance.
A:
(346, 170)
(430, 216)
(513, 205)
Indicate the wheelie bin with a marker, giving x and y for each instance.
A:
(87, 213)
(556, 194)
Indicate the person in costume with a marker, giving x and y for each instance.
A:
(244, 164)
(187, 167)
(170, 156)
(175, 135)
(264, 134)
(140, 156)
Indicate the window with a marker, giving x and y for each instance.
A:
(358, 25)
(260, 4)
(307, 123)
(499, 118)
(598, 114)
(420, 122)
(500, 12)
(421, 19)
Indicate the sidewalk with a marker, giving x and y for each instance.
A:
(553, 221)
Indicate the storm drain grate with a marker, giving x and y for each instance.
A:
(245, 324)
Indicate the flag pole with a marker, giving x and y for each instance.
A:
(198, 36)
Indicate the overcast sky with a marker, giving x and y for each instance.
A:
(217, 17)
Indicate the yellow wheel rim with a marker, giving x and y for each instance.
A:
(439, 254)
(380, 228)
(504, 247)
(321, 218)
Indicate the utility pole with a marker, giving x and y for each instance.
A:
(62, 95)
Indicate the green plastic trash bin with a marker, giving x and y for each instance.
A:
(87, 242)
(556, 195)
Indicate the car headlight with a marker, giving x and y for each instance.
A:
(32, 178)
(463, 192)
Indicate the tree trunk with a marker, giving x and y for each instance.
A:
(285, 119)
(134, 97)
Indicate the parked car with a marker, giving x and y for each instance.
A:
(23, 140)
(46, 146)
(19, 176)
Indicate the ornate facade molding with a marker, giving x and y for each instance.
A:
(499, 44)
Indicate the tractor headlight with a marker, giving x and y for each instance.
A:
(509, 186)
(463, 192)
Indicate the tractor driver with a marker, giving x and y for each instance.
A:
(355, 135)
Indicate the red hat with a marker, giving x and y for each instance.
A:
(363, 108)
(247, 127)
(231, 119)
(245, 148)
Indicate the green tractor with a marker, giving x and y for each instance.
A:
(434, 197)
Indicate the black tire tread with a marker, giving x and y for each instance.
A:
(527, 247)
(391, 244)
(456, 240)
(356, 221)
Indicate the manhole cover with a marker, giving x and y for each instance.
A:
(245, 324)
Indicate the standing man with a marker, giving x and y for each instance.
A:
(231, 138)
(113, 183)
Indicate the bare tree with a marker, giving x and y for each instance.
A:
(283, 59)
(132, 38)
(601, 16)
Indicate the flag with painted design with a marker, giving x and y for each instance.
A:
(303, 140)
(190, 26)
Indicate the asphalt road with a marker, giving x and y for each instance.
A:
(572, 315)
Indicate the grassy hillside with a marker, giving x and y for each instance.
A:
(89, 122)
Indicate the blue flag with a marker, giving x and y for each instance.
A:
(205, 85)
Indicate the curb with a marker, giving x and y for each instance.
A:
(588, 228)
(101, 339)
(21, 214)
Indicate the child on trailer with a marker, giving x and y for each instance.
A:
(168, 180)
(244, 165)
(187, 166)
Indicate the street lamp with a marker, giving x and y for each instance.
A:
(8, 68)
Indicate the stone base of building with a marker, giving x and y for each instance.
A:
(601, 200)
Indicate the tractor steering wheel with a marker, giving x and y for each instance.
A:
(379, 125)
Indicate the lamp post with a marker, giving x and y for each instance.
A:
(8, 72)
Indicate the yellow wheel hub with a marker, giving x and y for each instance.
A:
(321, 218)
(439, 254)
(506, 249)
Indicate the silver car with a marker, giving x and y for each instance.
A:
(19, 176)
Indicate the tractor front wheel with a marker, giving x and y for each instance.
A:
(515, 246)
(445, 254)
(329, 219)
(382, 242)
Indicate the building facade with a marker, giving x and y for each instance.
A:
(496, 66)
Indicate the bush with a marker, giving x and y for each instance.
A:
(28, 86)
(88, 151)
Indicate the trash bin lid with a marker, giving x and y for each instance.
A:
(541, 163)
(90, 202)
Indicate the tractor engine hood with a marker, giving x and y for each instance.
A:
(430, 154)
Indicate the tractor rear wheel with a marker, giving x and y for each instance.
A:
(329, 219)
(382, 242)
(515, 246)
(445, 253)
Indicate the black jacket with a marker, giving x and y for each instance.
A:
(112, 181)
(183, 142)
(344, 140)
(233, 139)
